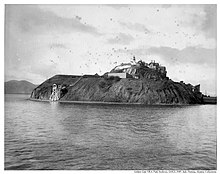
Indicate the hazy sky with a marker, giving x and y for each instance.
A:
(44, 40)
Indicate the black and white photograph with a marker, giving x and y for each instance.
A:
(112, 87)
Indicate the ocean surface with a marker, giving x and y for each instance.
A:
(43, 135)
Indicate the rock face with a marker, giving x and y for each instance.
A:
(113, 89)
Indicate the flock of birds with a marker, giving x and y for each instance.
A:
(94, 57)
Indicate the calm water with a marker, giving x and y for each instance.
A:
(41, 135)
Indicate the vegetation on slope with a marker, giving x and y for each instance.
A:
(114, 89)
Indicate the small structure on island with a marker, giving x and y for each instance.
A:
(196, 88)
(55, 95)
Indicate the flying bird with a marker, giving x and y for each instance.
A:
(78, 18)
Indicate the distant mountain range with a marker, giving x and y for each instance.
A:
(19, 87)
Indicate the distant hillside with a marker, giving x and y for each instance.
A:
(19, 87)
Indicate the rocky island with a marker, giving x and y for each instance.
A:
(135, 82)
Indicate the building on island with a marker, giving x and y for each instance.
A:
(139, 69)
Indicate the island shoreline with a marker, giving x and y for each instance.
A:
(110, 103)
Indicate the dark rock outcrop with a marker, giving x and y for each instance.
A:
(114, 89)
